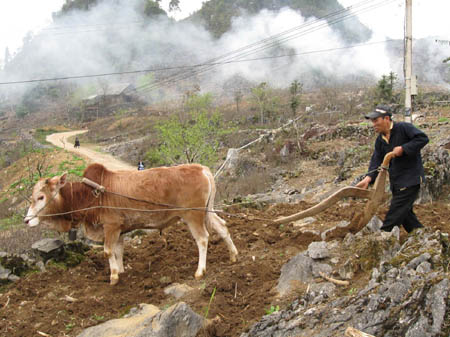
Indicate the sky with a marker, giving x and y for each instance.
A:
(430, 18)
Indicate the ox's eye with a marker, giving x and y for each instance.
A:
(41, 197)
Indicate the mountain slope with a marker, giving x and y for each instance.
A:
(216, 15)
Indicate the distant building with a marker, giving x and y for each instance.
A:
(109, 99)
(112, 94)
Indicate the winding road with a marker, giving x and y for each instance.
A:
(60, 139)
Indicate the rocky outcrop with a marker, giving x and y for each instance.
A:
(407, 295)
(436, 160)
(131, 149)
(13, 266)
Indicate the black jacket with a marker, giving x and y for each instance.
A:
(406, 170)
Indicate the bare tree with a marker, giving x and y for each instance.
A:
(260, 94)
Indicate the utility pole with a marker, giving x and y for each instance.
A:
(408, 60)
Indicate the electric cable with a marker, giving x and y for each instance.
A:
(182, 76)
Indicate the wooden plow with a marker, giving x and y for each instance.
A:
(376, 196)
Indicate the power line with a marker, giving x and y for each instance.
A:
(261, 42)
(94, 75)
(182, 76)
(239, 53)
(197, 65)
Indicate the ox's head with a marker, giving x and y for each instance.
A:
(44, 199)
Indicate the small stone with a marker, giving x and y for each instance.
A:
(318, 250)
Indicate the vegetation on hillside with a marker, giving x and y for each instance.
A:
(192, 137)
(218, 14)
(149, 7)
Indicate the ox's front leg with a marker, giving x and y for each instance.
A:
(197, 227)
(112, 235)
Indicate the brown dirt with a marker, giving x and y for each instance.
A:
(244, 290)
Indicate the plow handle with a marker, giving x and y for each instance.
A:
(387, 160)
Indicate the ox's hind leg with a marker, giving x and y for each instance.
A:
(118, 252)
(219, 225)
(112, 235)
(196, 224)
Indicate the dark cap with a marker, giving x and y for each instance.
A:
(380, 111)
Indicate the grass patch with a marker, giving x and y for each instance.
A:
(125, 310)
(14, 220)
(210, 301)
(75, 166)
(272, 309)
(41, 134)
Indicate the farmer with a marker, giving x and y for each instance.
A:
(405, 170)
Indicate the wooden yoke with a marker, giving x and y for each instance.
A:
(93, 184)
(375, 197)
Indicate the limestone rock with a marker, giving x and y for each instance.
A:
(49, 248)
(318, 250)
(177, 321)
(407, 295)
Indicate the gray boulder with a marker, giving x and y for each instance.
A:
(298, 269)
(318, 250)
(49, 248)
(148, 321)
(4, 273)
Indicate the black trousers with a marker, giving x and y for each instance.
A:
(401, 210)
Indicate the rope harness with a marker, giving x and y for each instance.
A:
(98, 190)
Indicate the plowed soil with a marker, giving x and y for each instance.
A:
(244, 290)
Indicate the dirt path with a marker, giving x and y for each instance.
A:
(60, 139)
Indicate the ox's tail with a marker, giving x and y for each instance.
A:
(210, 216)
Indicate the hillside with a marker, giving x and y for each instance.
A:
(271, 96)
(69, 297)
(245, 291)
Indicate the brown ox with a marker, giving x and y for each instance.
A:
(114, 211)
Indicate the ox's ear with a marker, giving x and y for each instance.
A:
(62, 180)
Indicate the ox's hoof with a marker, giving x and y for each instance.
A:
(198, 275)
(233, 254)
(114, 280)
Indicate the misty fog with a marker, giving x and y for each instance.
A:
(116, 37)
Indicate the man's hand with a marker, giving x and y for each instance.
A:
(364, 183)
(398, 151)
